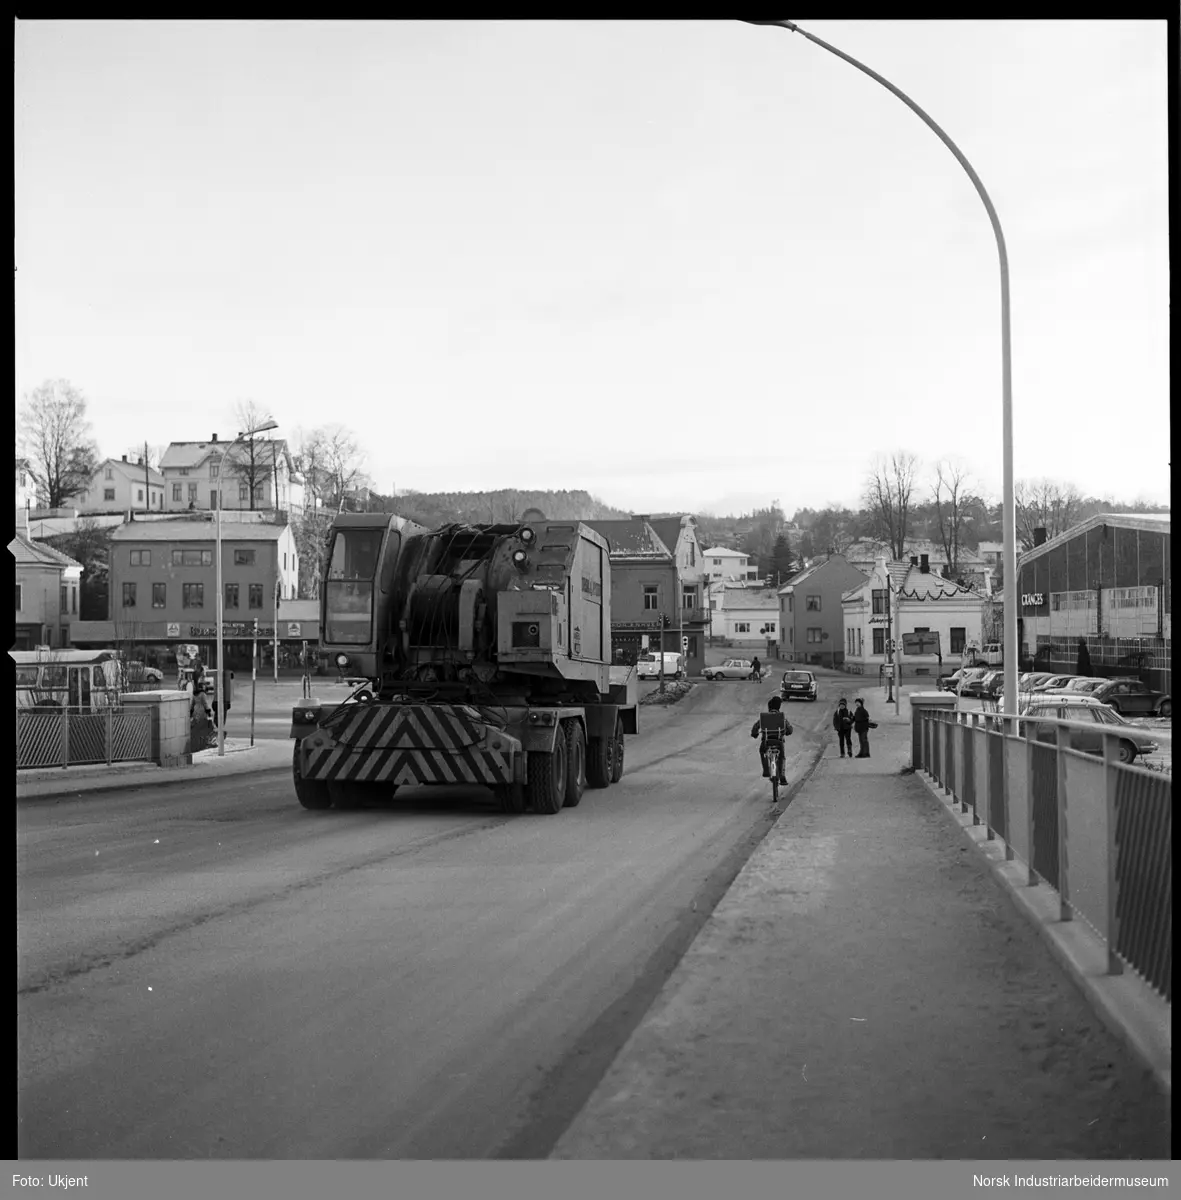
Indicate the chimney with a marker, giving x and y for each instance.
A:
(215, 437)
(925, 564)
(125, 458)
(914, 561)
(1039, 536)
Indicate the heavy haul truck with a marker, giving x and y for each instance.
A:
(482, 654)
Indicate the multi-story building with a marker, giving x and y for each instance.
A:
(163, 589)
(898, 598)
(744, 616)
(26, 490)
(722, 563)
(47, 584)
(811, 615)
(975, 566)
(255, 476)
(655, 593)
(1107, 583)
(118, 486)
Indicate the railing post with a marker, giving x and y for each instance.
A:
(1005, 790)
(1065, 912)
(1111, 779)
(65, 736)
(110, 719)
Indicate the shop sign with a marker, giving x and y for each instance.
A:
(1033, 599)
(637, 625)
(173, 629)
(232, 629)
(293, 629)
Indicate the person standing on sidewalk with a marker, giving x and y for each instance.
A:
(842, 722)
(862, 724)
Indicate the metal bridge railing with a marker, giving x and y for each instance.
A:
(1095, 829)
(60, 738)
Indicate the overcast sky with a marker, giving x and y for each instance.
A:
(684, 265)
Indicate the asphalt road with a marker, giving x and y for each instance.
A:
(211, 971)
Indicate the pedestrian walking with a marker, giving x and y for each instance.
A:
(862, 724)
(842, 722)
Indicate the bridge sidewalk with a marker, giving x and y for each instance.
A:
(868, 989)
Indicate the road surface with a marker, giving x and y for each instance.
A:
(211, 971)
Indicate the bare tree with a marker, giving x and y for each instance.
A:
(147, 457)
(54, 440)
(887, 498)
(1046, 504)
(953, 501)
(344, 461)
(254, 459)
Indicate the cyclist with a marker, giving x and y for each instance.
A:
(773, 705)
(756, 669)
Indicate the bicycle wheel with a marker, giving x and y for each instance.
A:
(775, 789)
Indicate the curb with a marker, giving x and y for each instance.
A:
(1130, 1009)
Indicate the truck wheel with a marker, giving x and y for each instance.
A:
(575, 763)
(617, 752)
(311, 793)
(510, 797)
(598, 761)
(547, 779)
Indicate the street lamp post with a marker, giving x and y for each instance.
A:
(1009, 557)
(219, 676)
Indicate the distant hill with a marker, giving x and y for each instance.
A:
(503, 506)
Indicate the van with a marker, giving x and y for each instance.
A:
(79, 680)
(648, 665)
(994, 654)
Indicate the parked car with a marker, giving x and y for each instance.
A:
(732, 668)
(1133, 741)
(799, 685)
(963, 676)
(1030, 680)
(1134, 698)
(1080, 685)
(137, 672)
(979, 683)
(1052, 682)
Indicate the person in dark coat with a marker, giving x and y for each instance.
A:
(773, 705)
(842, 722)
(1084, 659)
(862, 724)
(756, 669)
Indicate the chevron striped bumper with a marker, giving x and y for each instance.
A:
(410, 744)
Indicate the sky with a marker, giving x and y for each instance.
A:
(685, 265)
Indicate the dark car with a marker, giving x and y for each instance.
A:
(798, 685)
(980, 685)
(963, 676)
(1134, 699)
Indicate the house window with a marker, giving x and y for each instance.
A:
(243, 558)
(284, 560)
(651, 598)
(231, 595)
(688, 597)
(922, 629)
(141, 558)
(693, 563)
(192, 558)
(717, 562)
(243, 492)
(158, 595)
(18, 597)
(110, 474)
(129, 595)
(812, 603)
(958, 639)
(139, 495)
(177, 490)
(193, 595)
(213, 470)
(108, 493)
(815, 636)
(184, 470)
(73, 598)
(256, 595)
(879, 602)
(742, 627)
(192, 493)
(64, 601)
(213, 498)
(879, 640)
(791, 602)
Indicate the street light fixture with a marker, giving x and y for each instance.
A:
(1009, 556)
(219, 676)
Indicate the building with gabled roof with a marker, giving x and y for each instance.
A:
(119, 486)
(898, 598)
(200, 475)
(811, 614)
(47, 583)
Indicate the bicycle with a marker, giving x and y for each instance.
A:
(774, 765)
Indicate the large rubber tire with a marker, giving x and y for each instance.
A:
(1166, 709)
(575, 763)
(1127, 751)
(547, 778)
(617, 752)
(598, 761)
(510, 797)
(311, 793)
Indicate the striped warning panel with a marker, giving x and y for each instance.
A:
(408, 727)
(393, 765)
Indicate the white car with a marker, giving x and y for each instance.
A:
(733, 668)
